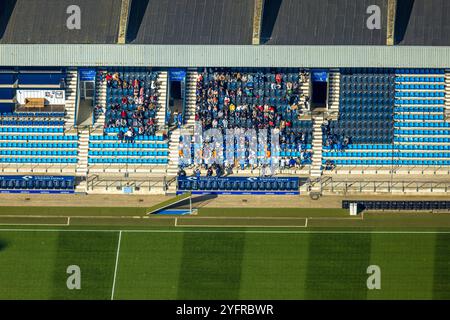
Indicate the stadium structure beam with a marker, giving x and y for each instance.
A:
(392, 10)
(123, 22)
(257, 21)
(193, 56)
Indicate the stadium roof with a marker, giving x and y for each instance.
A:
(44, 21)
(321, 22)
(224, 56)
(423, 22)
(191, 22)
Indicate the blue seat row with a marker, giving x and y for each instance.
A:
(390, 162)
(423, 132)
(33, 114)
(421, 139)
(420, 79)
(419, 117)
(366, 146)
(420, 71)
(129, 145)
(420, 101)
(37, 153)
(419, 87)
(38, 160)
(358, 154)
(114, 137)
(40, 137)
(130, 160)
(38, 145)
(419, 109)
(393, 147)
(386, 154)
(128, 153)
(420, 94)
(31, 123)
(423, 124)
(32, 129)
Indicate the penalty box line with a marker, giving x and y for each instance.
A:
(177, 224)
(37, 224)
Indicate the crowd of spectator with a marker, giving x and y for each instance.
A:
(131, 102)
(228, 99)
(333, 140)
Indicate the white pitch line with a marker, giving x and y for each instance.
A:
(228, 231)
(306, 223)
(35, 224)
(176, 222)
(117, 263)
(68, 221)
(234, 226)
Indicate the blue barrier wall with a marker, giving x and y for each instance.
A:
(37, 184)
(239, 185)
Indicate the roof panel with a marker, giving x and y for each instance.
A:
(225, 56)
(191, 22)
(321, 22)
(44, 21)
(423, 22)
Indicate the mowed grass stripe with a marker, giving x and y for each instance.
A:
(441, 279)
(230, 265)
(149, 266)
(337, 266)
(27, 264)
(95, 254)
(406, 263)
(274, 267)
(211, 266)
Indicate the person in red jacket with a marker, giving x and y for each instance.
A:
(278, 78)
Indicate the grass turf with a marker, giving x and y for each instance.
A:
(224, 265)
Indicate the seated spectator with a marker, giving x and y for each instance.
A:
(120, 136)
(181, 172)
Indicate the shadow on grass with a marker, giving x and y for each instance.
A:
(3, 244)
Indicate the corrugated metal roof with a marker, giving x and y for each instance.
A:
(224, 56)
(322, 22)
(423, 22)
(191, 22)
(45, 21)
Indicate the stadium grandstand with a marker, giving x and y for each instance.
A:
(227, 97)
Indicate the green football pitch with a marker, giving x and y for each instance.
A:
(223, 263)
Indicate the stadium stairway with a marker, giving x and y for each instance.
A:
(334, 92)
(100, 99)
(83, 151)
(316, 166)
(162, 99)
(172, 166)
(191, 79)
(71, 97)
(305, 89)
